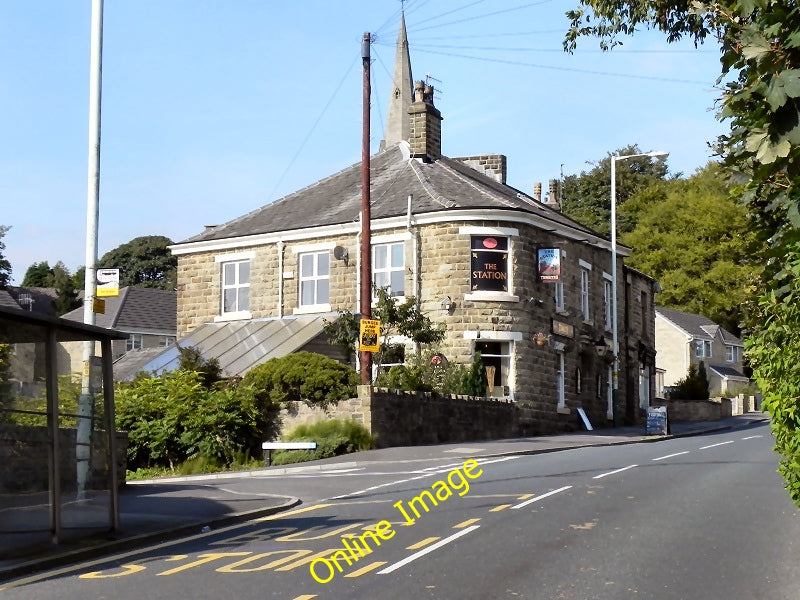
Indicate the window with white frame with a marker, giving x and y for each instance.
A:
(608, 308)
(585, 293)
(559, 296)
(560, 389)
(314, 278)
(389, 267)
(166, 341)
(135, 341)
(702, 348)
(235, 286)
(732, 353)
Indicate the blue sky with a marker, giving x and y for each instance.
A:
(213, 108)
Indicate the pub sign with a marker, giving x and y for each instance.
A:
(549, 264)
(489, 264)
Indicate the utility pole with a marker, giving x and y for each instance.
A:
(366, 242)
(83, 443)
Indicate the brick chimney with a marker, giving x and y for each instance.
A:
(552, 198)
(426, 124)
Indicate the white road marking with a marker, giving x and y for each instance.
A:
(715, 445)
(536, 498)
(428, 550)
(671, 455)
(614, 472)
(425, 473)
(751, 437)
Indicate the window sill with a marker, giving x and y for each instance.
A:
(563, 410)
(491, 297)
(315, 308)
(233, 316)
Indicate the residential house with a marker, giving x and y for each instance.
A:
(505, 272)
(684, 339)
(148, 316)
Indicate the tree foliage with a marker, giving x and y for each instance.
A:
(694, 386)
(58, 277)
(301, 377)
(5, 266)
(405, 318)
(144, 262)
(587, 197)
(760, 66)
(694, 239)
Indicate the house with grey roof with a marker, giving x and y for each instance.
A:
(147, 315)
(504, 271)
(684, 339)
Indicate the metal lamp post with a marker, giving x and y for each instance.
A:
(614, 301)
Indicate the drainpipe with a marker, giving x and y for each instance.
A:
(280, 278)
(415, 259)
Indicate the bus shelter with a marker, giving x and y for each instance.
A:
(58, 444)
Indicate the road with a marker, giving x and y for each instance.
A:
(697, 518)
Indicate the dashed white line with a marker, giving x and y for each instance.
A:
(614, 472)
(671, 455)
(752, 437)
(715, 445)
(536, 498)
(427, 550)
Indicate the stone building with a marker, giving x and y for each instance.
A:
(505, 272)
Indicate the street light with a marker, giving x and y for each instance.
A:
(614, 303)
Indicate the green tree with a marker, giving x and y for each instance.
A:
(404, 318)
(144, 262)
(587, 197)
(66, 295)
(5, 266)
(694, 239)
(39, 274)
(760, 63)
(58, 277)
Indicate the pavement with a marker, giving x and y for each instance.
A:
(161, 509)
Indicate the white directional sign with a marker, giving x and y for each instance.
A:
(107, 283)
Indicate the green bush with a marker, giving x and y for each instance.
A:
(424, 374)
(175, 417)
(334, 437)
(694, 386)
(300, 377)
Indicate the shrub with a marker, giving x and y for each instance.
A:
(173, 418)
(334, 437)
(300, 377)
(694, 386)
(423, 373)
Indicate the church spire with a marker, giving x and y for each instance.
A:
(402, 92)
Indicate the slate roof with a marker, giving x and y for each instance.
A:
(442, 185)
(724, 371)
(137, 310)
(7, 300)
(41, 297)
(697, 326)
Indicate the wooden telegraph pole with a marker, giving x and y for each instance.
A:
(366, 243)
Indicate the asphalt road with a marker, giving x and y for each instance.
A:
(697, 518)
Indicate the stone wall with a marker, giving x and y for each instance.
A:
(24, 455)
(417, 418)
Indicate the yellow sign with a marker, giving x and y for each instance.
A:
(370, 333)
(99, 306)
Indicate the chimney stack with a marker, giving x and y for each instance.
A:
(426, 124)
(537, 191)
(552, 199)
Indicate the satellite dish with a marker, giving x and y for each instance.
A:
(340, 253)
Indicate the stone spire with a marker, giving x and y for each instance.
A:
(402, 93)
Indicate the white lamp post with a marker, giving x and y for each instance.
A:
(614, 320)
